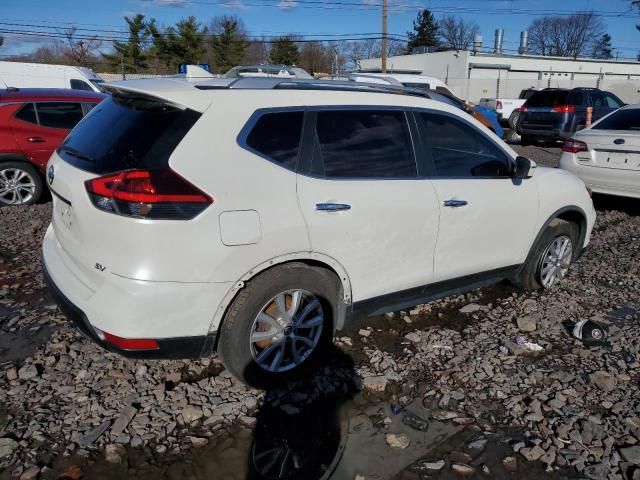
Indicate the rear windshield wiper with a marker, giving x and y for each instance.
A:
(76, 153)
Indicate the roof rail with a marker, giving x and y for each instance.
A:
(270, 83)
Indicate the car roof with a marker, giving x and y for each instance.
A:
(48, 94)
(192, 93)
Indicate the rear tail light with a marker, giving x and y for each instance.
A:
(129, 344)
(571, 145)
(564, 109)
(498, 105)
(153, 194)
(523, 108)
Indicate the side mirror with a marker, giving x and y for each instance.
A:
(524, 168)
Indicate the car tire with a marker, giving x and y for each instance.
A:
(256, 362)
(513, 119)
(25, 177)
(525, 140)
(540, 270)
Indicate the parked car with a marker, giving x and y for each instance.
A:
(40, 75)
(33, 122)
(267, 70)
(508, 109)
(606, 156)
(485, 116)
(557, 113)
(258, 216)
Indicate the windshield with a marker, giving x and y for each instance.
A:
(625, 119)
(98, 83)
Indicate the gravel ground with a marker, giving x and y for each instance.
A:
(460, 367)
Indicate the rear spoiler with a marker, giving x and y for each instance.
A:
(173, 91)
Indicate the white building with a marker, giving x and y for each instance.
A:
(473, 75)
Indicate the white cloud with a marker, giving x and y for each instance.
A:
(234, 4)
(169, 3)
(287, 4)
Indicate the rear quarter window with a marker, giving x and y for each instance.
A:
(276, 136)
(27, 114)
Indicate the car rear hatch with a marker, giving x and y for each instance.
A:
(546, 109)
(115, 198)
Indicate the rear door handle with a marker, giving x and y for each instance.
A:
(36, 140)
(332, 207)
(455, 203)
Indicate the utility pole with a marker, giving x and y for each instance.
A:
(384, 37)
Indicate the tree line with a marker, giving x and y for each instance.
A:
(223, 42)
(579, 35)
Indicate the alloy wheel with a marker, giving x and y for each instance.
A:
(286, 331)
(17, 186)
(555, 261)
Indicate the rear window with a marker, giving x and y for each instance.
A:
(127, 132)
(548, 99)
(627, 119)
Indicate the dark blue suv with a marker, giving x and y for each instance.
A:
(556, 113)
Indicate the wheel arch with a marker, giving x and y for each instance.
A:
(19, 157)
(570, 213)
(311, 259)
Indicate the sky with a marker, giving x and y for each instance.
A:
(307, 17)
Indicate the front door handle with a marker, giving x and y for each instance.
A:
(36, 140)
(454, 203)
(332, 207)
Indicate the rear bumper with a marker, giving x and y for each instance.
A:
(607, 181)
(178, 316)
(550, 133)
(169, 348)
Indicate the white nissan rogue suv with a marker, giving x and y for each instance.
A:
(255, 217)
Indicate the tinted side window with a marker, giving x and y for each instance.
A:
(80, 85)
(27, 114)
(59, 114)
(459, 150)
(277, 136)
(597, 99)
(612, 101)
(363, 144)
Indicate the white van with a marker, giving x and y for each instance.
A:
(404, 79)
(39, 75)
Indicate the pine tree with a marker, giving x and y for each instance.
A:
(602, 48)
(284, 51)
(425, 31)
(228, 44)
(131, 56)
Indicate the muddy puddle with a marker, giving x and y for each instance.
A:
(332, 437)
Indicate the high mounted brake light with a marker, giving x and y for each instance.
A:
(158, 194)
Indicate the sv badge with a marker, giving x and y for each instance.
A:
(100, 267)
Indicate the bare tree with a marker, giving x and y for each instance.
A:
(83, 50)
(570, 36)
(456, 33)
(357, 50)
(256, 53)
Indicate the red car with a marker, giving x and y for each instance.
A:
(33, 123)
